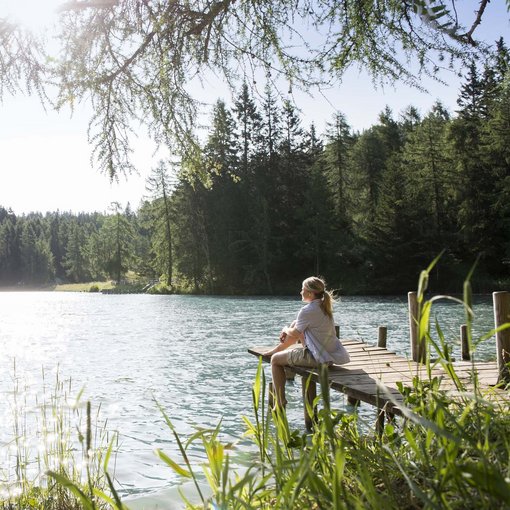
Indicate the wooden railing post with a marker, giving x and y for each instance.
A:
(501, 301)
(381, 337)
(464, 344)
(417, 347)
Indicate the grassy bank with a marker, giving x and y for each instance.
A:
(63, 287)
(84, 287)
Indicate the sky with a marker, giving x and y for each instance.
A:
(45, 159)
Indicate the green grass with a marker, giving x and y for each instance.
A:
(84, 287)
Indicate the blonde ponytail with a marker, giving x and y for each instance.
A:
(318, 287)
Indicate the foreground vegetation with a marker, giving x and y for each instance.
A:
(55, 438)
(445, 452)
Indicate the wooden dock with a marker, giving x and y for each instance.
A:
(373, 374)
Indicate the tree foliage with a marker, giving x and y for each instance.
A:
(136, 60)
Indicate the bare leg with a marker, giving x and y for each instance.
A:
(278, 361)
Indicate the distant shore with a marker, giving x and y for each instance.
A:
(60, 287)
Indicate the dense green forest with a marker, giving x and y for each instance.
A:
(267, 202)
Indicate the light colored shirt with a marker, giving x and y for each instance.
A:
(320, 336)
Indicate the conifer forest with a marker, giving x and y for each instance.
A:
(268, 201)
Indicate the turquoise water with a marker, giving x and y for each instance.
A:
(187, 352)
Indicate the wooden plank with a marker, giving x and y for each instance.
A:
(382, 354)
(365, 347)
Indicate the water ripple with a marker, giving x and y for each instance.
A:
(187, 353)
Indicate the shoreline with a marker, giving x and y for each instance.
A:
(110, 289)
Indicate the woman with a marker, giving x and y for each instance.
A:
(315, 329)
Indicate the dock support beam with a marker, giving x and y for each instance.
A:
(417, 346)
(501, 301)
(379, 423)
(309, 394)
(464, 344)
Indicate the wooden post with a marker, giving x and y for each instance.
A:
(290, 375)
(382, 335)
(309, 394)
(352, 400)
(379, 424)
(270, 396)
(417, 347)
(464, 344)
(501, 301)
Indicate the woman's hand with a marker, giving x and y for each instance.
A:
(286, 340)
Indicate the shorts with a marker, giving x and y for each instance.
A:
(301, 357)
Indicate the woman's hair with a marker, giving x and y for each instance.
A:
(318, 287)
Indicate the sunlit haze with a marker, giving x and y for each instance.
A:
(31, 14)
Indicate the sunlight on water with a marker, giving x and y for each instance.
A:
(188, 353)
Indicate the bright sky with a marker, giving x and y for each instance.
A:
(45, 158)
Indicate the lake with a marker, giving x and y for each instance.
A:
(187, 352)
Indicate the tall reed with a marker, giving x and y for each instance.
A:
(53, 440)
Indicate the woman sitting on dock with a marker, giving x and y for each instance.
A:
(315, 329)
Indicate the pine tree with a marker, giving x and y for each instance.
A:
(74, 261)
(248, 119)
(427, 159)
(471, 97)
(339, 142)
(117, 235)
(192, 246)
(474, 177)
(36, 256)
(368, 161)
(224, 203)
(160, 185)
(10, 257)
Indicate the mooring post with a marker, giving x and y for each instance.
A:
(464, 344)
(309, 388)
(501, 301)
(381, 337)
(417, 346)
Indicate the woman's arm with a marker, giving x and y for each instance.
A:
(292, 332)
(284, 344)
(283, 334)
(288, 337)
